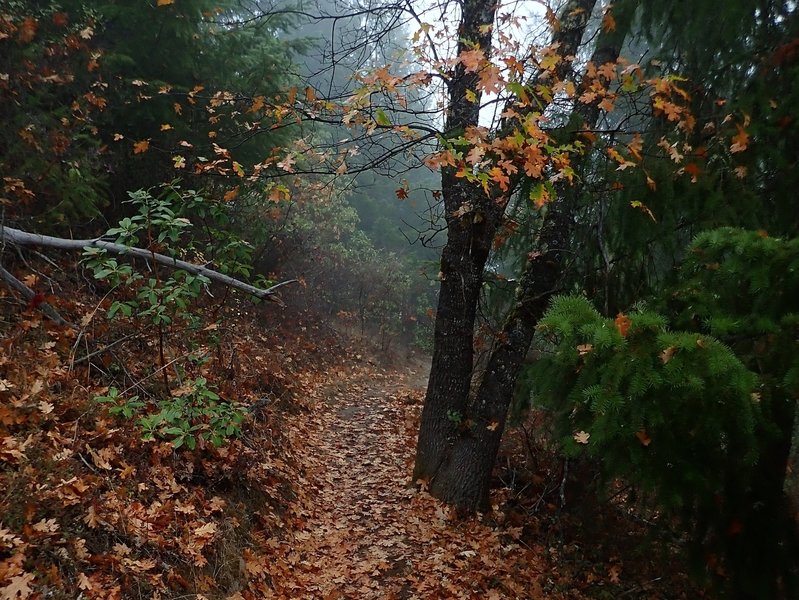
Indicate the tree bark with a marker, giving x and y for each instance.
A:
(464, 476)
(462, 261)
(466, 457)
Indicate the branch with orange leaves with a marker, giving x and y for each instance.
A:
(17, 237)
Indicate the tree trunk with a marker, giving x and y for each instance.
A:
(464, 476)
(468, 442)
(462, 261)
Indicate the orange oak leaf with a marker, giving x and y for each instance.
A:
(27, 31)
(231, 195)
(608, 23)
(141, 147)
(740, 141)
(472, 60)
(622, 323)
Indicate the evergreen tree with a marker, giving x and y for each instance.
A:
(694, 406)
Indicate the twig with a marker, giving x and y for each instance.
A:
(30, 295)
(638, 587)
(106, 348)
(562, 492)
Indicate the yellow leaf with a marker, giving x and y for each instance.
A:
(645, 208)
(166, 127)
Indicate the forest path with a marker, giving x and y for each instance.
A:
(362, 532)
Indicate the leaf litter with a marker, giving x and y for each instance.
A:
(314, 501)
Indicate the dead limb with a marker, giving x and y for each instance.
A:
(18, 237)
(30, 296)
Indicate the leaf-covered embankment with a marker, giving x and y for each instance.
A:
(90, 508)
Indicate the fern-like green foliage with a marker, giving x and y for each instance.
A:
(693, 404)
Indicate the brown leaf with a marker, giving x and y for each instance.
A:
(666, 355)
(19, 587)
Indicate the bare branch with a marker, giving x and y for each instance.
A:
(30, 295)
(24, 238)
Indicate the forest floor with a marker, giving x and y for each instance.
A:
(312, 501)
(365, 532)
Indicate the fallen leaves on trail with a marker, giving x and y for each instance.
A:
(363, 532)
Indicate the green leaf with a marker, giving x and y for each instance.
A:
(382, 118)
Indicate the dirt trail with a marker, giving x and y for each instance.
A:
(362, 532)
